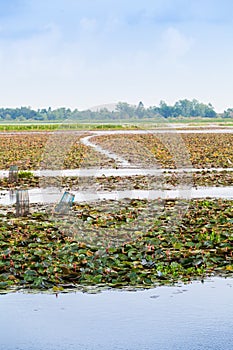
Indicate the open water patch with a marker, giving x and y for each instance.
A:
(193, 316)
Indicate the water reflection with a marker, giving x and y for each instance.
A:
(12, 196)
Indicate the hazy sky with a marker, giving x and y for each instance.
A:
(82, 53)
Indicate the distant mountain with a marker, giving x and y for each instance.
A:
(111, 107)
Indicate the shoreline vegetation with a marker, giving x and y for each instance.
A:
(118, 111)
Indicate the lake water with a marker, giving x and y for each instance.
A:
(187, 317)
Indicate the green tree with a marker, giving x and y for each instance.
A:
(125, 110)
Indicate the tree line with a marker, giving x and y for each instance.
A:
(123, 110)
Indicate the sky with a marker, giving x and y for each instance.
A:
(85, 53)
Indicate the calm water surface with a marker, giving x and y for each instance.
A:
(53, 195)
(186, 317)
(133, 171)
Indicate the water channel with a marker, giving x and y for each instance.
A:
(98, 172)
(53, 195)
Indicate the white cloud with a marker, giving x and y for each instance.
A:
(80, 55)
(88, 24)
(175, 42)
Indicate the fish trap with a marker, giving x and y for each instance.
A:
(13, 174)
(22, 203)
(65, 203)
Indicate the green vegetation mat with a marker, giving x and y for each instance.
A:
(32, 151)
(66, 126)
(38, 253)
(172, 150)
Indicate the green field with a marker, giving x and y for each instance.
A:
(118, 124)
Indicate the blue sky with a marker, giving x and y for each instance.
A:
(83, 53)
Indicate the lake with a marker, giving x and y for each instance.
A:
(197, 316)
